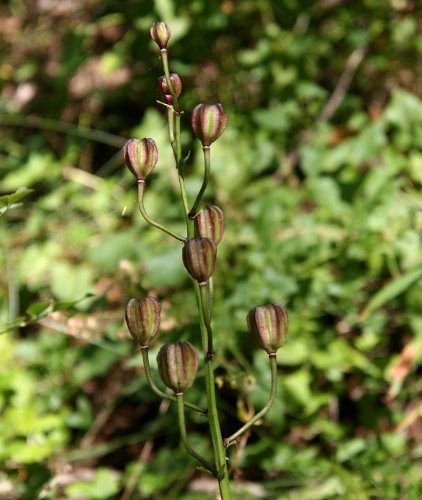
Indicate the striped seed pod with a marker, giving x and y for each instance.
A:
(208, 122)
(268, 326)
(143, 319)
(177, 365)
(141, 156)
(175, 81)
(160, 33)
(210, 223)
(199, 257)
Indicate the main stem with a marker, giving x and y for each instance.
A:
(216, 437)
(205, 326)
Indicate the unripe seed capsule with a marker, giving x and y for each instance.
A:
(143, 319)
(177, 365)
(160, 33)
(210, 223)
(168, 99)
(208, 122)
(141, 156)
(268, 326)
(199, 257)
(175, 81)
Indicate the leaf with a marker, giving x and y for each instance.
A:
(104, 484)
(9, 201)
(390, 291)
(39, 310)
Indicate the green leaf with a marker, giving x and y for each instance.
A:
(390, 291)
(9, 201)
(39, 310)
(105, 484)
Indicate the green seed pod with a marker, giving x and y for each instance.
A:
(141, 156)
(143, 319)
(199, 257)
(175, 81)
(208, 122)
(268, 326)
(177, 365)
(210, 223)
(160, 33)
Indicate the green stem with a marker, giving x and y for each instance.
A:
(165, 60)
(141, 192)
(174, 132)
(205, 314)
(210, 296)
(170, 121)
(273, 390)
(216, 437)
(159, 392)
(206, 332)
(184, 436)
(206, 150)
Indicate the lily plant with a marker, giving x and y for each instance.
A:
(178, 362)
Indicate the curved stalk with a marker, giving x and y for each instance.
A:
(216, 437)
(141, 192)
(184, 435)
(206, 150)
(273, 390)
(159, 392)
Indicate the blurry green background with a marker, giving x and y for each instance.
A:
(319, 175)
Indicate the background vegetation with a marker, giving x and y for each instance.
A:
(319, 175)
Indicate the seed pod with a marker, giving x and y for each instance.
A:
(141, 156)
(210, 223)
(160, 33)
(168, 99)
(143, 319)
(199, 257)
(177, 365)
(268, 326)
(175, 81)
(208, 122)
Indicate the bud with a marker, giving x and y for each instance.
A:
(168, 99)
(141, 156)
(208, 122)
(268, 326)
(210, 223)
(199, 256)
(175, 81)
(177, 365)
(160, 33)
(143, 319)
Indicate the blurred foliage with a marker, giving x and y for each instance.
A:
(319, 175)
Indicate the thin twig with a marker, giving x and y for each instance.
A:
(343, 83)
